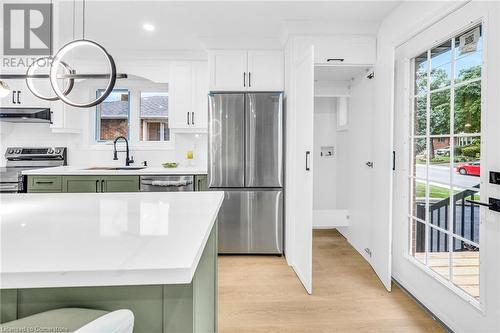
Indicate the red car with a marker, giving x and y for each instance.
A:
(472, 169)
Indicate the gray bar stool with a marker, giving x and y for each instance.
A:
(76, 320)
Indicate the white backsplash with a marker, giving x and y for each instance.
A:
(24, 134)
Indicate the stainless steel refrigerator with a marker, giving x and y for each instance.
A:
(245, 160)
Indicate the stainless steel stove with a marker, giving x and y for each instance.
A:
(28, 158)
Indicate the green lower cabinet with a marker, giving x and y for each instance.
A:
(39, 184)
(120, 184)
(180, 308)
(81, 184)
(201, 183)
(85, 184)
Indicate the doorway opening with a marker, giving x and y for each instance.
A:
(342, 187)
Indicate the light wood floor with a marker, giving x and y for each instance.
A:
(260, 294)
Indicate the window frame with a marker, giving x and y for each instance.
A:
(411, 136)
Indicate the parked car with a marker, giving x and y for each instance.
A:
(442, 151)
(472, 168)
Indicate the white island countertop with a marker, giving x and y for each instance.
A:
(104, 170)
(103, 239)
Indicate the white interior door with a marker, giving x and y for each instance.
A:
(303, 101)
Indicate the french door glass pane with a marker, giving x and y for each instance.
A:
(441, 66)
(420, 116)
(467, 217)
(440, 112)
(438, 258)
(420, 158)
(465, 267)
(468, 108)
(439, 164)
(418, 236)
(419, 198)
(466, 161)
(421, 68)
(439, 205)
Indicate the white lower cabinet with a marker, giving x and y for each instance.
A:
(188, 95)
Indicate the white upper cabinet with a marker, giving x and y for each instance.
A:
(337, 50)
(21, 97)
(188, 91)
(265, 71)
(228, 70)
(236, 70)
(199, 116)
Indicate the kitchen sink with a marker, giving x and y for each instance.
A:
(115, 168)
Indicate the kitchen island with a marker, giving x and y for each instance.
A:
(152, 253)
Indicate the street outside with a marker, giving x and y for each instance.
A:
(441, 174)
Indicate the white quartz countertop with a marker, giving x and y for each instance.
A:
(103, 239)
(100, 170)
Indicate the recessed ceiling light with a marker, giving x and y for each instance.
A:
(148, 27)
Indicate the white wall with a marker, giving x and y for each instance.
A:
(325, 171)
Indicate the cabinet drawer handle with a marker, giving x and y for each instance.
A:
(44, 182)
(335, 59)
(19, 97)
(96, 184)
(244, 79)
(307, 160)
(187, 115)
(102, 185)
(192, 118)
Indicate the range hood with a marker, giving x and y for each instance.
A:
(25, 115)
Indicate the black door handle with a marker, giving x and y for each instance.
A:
(307, 160)
(96, 184)
(188, 118)
(102, 185)
(19, 97)
(192, 118)
(493, 204)
(249, 79)
(244, 79)
(13, 97)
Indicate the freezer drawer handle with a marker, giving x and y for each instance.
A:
(307, 160)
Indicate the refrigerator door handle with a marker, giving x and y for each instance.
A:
(307, 160)
(244, 79)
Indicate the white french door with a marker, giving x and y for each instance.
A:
(446, 139)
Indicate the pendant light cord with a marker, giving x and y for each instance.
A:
(51, 44)
(84, 9)
(74, 18)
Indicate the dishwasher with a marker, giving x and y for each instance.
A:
(167, 183)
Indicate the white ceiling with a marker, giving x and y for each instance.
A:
(189, 25)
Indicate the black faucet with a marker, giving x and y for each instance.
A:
(128, 158)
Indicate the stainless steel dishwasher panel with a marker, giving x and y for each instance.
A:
(167, 183)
